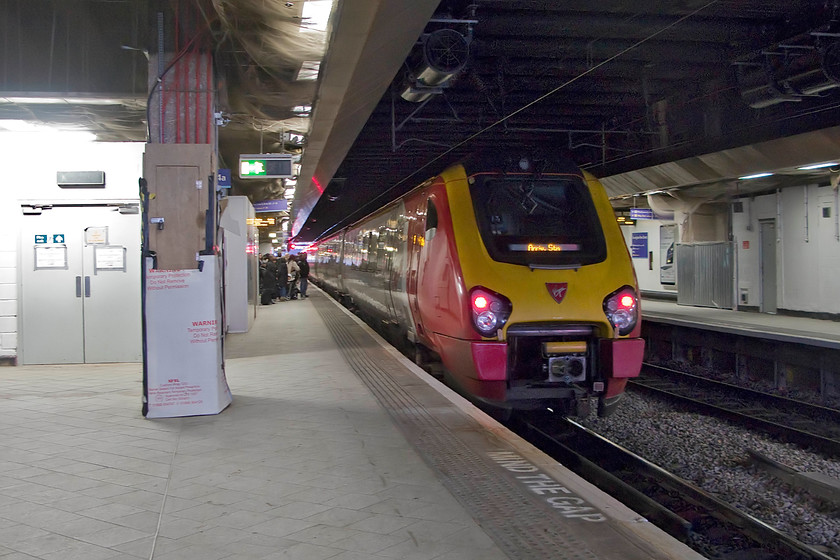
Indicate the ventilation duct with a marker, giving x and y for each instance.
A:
(663, 208)
(790, 74)
(443, 54)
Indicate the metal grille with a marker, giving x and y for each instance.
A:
(522, 527)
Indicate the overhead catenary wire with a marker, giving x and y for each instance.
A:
(523, 108)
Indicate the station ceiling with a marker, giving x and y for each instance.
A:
(682, 96)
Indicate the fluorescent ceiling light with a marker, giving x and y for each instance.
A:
(69, 100)
(755, 176)
(316, 15)
(27, 129)
(13, 125)
(817, 166)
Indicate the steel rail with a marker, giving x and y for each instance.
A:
(662, 497)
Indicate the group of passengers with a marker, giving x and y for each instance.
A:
(283, 278)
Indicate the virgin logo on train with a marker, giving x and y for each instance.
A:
(557, 290)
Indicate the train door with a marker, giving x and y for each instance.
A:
(80, 284)
(767, 257)
(425, 218)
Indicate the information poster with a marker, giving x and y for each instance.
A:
(667, 255)
(96, 235)
(109, 257)
(639, 245)
(184, 367)
(50, 256)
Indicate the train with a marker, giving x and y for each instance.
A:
(508, 276)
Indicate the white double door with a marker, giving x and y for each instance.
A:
(80, 284)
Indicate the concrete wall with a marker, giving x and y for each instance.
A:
(30, 162)
(808, 250)
(649, 272)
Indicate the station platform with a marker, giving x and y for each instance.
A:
(335, 446)
(782, 328)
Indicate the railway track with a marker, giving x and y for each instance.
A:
(807, 425)
(705, 523)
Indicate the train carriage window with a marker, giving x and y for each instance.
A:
(431, 220)
(551, 221)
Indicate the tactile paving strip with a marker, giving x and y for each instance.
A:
(521, 530)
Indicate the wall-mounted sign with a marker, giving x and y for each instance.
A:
(667, 255)
(223, 178)
(82, 179)
(40, 239)
(639, 246)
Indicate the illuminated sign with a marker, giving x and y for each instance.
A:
(544, 247)
(265, 166)
(299, 246)
(260, 222)
(642, 214)
(280, 205)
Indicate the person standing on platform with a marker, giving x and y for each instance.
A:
(304, 275)
(281, 280)
(294, 274)
(266, 282)
(271, 273)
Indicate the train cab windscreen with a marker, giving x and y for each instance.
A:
(547, 222)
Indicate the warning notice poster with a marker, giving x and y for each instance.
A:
(184, 368)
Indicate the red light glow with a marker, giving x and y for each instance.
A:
(480, 302)
(627, 301)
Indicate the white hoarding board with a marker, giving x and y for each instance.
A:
(184, 368)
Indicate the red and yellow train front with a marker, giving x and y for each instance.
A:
(526, 290)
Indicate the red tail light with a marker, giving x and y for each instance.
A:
(622, 309)
(490, 311)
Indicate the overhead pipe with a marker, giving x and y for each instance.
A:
(802, 67)
(661, 208)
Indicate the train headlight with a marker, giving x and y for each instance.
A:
(490, 311)
(486, 321)
(622, 309)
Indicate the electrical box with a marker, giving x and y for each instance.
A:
(178, 177)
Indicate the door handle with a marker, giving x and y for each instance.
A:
(78, 286)
(87, 286)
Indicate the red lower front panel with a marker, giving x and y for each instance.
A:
(490, 359)
(482, 361)
(480, 368)
(622, 357)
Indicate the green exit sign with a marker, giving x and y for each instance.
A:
(265, 166)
